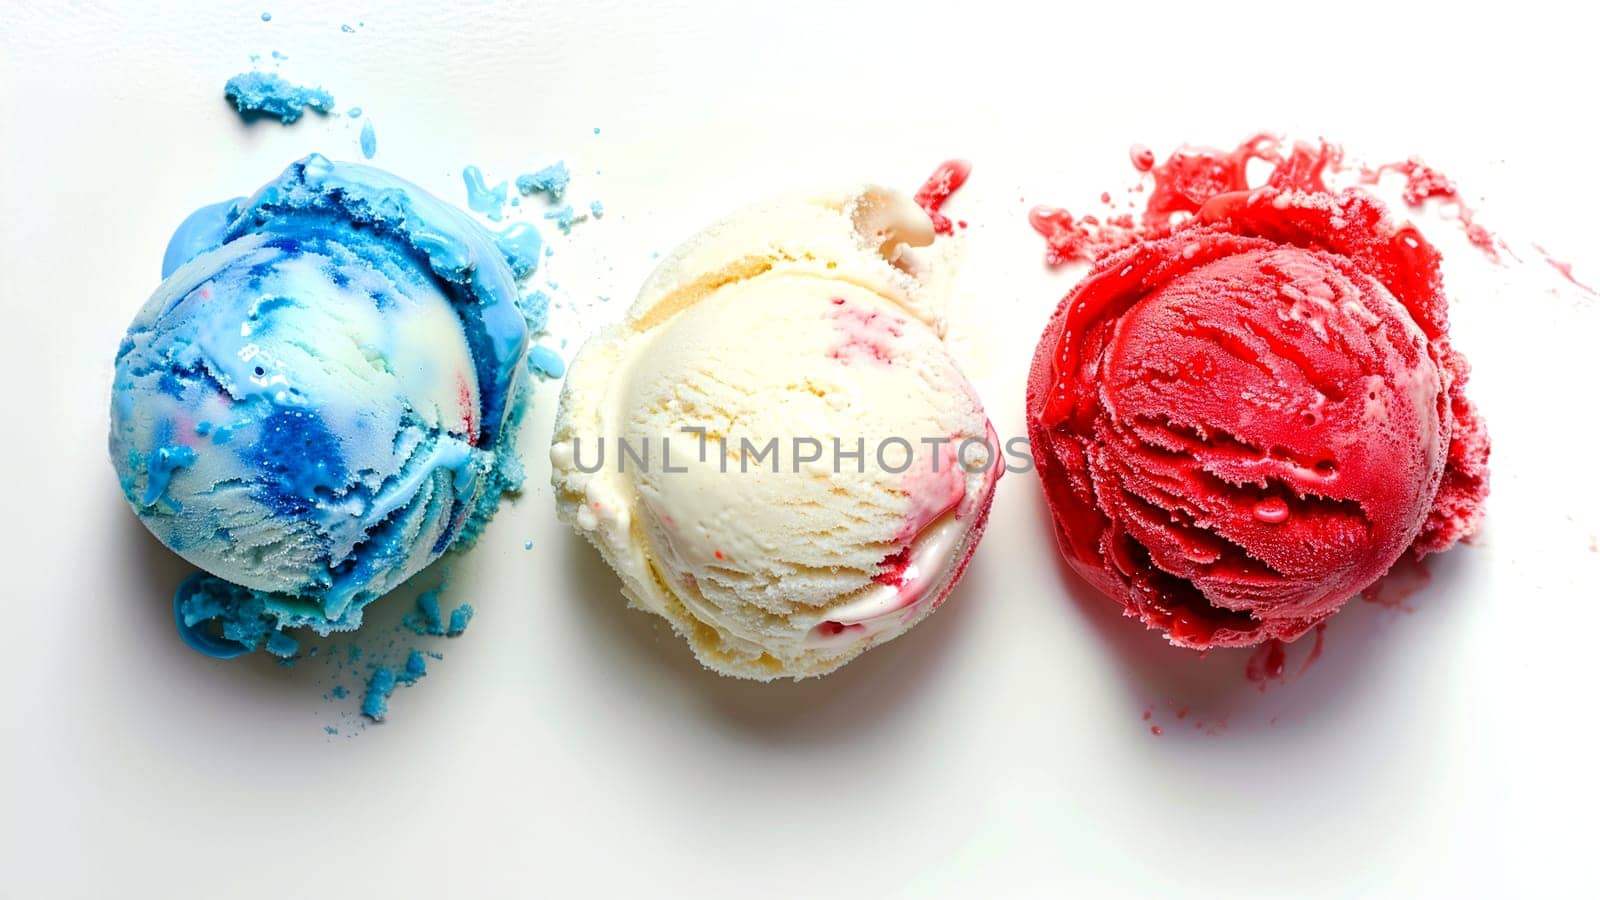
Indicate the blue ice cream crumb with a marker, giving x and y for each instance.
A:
(416, 667)
(459, 617)
(339, 692)
(597, 129)
(565, 218)
(162, 463)
(550, 180)
(527, 545)
(535, 306)
(482, 199)
(270, 94)
(279, 55)
(427, 619)
(347, 29)
(330, 729)
(597, 209)
(375, 705)
(545, 362)
(521, 245)
(305, 499)
(369, 140)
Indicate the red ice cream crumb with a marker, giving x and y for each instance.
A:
(945, 180)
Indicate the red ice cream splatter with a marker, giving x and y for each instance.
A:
(1424, 183)
(1565, 268)
(945, 180)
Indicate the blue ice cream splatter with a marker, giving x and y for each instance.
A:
(545, 362)
(280, 644)
(369, 140)
(482, 199)
(550, 180)
(162, 463)
(597, 209)
(521, 245)
(270, 94)
(324, 393)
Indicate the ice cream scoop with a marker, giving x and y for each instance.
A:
(774, 449)
(1243, 424)
(319, 399)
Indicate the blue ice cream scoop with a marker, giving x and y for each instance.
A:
(319, 400)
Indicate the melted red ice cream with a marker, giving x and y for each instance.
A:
(1244, 421)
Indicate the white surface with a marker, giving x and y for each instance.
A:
(567, 746)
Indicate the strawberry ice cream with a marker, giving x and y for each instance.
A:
(1243, 423)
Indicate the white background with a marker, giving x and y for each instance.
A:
(566, 745)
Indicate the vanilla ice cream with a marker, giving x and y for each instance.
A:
(774, 449)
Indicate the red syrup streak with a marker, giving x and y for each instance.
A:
(1270, 661)
(1407, 576)
(945, 180)
(892, 571)
(469, 423)
(1565, 268)
(1316, 649)
(1266, 663)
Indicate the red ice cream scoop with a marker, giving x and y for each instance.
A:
(1243, 424)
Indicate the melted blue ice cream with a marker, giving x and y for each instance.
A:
(319, 400)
